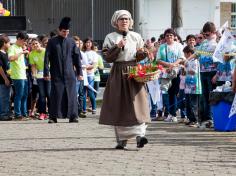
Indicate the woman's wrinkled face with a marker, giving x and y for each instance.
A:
(123, 23)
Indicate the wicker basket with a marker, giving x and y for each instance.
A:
(147, 77)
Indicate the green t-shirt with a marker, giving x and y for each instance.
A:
(37, 58)
(100, 66)
(18, 68)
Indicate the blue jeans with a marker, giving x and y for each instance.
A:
(181, 103)
(207, 87)
(90, 94)
(21, 94)
(173, 91)
(96, 87)
(165, 101)
(80, 91)
(4, 100)
(44, 95)
(192, 107)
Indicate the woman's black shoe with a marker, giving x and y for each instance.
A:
(141, 141)
(121, 145)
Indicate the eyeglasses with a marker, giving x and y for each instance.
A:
(123, 19)
(200, 38)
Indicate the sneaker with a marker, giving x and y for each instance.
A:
(82, 115)
(168, 118)
(45, 116)
(42, 116)
(193, 124)
(31, 114)
(89, 109)
(174, 119)
(160, 118)
(94, 111)
(210, 124)
(203, 125)
(183, 120)
(18, 118)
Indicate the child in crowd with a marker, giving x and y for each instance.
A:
(191, 40)
(181, 95)
(36, 59)
(5, 85)
(192, 88)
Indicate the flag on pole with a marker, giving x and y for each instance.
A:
(225, 45)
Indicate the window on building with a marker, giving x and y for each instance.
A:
(233, 15)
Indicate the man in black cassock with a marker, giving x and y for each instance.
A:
(63, 59)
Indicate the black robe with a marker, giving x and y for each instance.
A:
(61, 58)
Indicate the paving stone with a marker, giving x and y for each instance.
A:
(37, 148)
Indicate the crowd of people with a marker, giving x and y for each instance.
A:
(190, 75)
(54, 77)
(29, 75)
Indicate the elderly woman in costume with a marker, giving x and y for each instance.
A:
(125, 102)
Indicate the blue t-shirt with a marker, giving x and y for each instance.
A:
(170, 53)
(204, 52)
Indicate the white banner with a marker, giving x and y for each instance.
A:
(225, 45)
(223, 27)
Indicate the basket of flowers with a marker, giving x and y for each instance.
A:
(144, 73)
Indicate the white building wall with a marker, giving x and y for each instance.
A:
(155, 16)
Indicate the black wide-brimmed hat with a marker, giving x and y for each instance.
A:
(65, 23)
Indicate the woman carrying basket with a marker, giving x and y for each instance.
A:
(125, 101)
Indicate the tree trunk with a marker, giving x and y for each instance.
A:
(176, 13)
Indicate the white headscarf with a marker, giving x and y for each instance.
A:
(118, 14)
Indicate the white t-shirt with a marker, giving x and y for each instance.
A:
(92, 58)
(84, 63)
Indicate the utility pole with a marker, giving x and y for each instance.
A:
(176, 16)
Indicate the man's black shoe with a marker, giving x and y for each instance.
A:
(141, 141)
(52, 121)
(5, 118)
(18, 118)
(74, 120)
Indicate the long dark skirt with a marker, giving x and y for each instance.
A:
(125, 101)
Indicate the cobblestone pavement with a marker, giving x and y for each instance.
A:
(36, 148)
